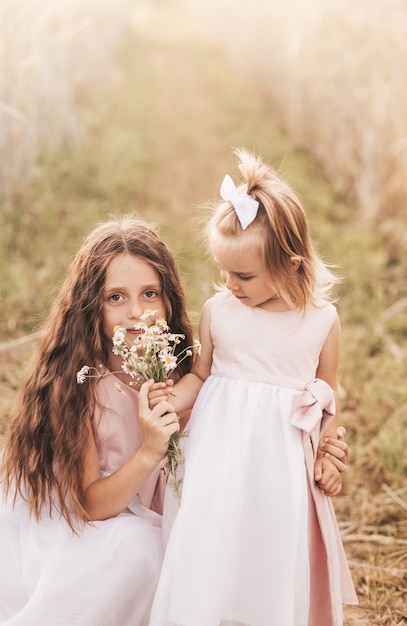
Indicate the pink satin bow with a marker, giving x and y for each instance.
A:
(309, 405)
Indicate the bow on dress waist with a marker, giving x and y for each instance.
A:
(312, 411)
(311, 407)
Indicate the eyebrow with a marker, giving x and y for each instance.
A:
(244, 273)
(150, 286)
(236, 271)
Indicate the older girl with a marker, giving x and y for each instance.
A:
(82, 468)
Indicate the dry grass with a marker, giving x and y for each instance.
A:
(159, 146)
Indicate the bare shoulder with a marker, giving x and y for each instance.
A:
(205, 315)
(335, 330)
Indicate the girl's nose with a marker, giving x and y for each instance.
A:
(229, 281)
(135, 311)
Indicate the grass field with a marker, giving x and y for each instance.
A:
(157, 141)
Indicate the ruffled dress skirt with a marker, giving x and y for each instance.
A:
(238, 551)
(108, 573)
(105, 576)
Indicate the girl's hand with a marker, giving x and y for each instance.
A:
(158, 424)
(158, 392)
(336, 450)
(327, 476)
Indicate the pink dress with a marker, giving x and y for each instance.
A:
(255, 542)
(105, 576)
(119, 436)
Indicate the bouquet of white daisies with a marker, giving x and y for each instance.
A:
(151, 355)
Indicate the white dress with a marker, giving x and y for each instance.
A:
(107, 575)
(249, 545)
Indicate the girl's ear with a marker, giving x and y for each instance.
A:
(296, 262)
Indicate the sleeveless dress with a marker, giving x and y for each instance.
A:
(107, 574)
(255, 541)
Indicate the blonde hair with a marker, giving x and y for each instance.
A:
(279, 233)
(46, 442)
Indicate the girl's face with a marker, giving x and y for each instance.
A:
(132, 286)
(244, 274)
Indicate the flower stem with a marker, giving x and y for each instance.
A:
(175, 458)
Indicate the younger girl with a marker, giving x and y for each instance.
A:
(82, 471)
(255, 541)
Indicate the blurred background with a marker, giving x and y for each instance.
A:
(118, 106)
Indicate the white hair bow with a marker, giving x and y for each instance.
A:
(244, 205)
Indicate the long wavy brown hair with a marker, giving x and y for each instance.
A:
(48, 430)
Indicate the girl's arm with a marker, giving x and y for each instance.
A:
(108, 496)
(183, 393)
(326, 472)
(327, 371)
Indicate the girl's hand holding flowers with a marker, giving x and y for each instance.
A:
(158, 424)
(159, 392)
(152, 356)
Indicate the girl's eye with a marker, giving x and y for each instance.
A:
(115, 297)
(150, 294)
(244, 277)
